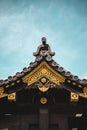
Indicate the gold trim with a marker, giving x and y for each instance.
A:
(43, 80)
(85, 90)
(1, 90)
(74, 97)
(2, 94)
(12, 97)
(43, 70)
(84, 94)
(43, 100)
(43, 87)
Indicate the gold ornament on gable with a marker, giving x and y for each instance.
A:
(43, 72)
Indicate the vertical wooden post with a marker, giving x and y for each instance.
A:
(43, 119)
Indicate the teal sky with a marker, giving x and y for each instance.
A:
(24, 22)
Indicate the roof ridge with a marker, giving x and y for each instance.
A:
(44, 53)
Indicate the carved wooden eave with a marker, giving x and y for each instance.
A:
(43, 67)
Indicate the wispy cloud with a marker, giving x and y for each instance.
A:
(22, 24)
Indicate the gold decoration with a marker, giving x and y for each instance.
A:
(43, 80)
(1, 90)
(85, 90)
(84, 94)
(74, 97)
(43, 100)
(12, 97)
(43, 88)
(43, 70)
(2, 94)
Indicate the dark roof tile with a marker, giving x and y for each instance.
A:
(44, 53)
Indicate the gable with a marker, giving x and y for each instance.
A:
(43, 73)
(44, 77)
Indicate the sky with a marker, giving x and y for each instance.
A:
(24, 22)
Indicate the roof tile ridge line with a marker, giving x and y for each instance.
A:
(32, 64)
(19, 74)
(54, 64)
(70, 75)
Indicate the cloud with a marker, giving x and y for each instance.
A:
(24, 23)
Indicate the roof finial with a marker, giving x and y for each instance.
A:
(44, 51)
(44, 40)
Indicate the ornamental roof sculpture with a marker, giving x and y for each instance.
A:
(44, 55)
(44, 51)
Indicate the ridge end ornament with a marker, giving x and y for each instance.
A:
(44, 51)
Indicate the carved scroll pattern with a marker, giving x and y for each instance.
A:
(43, 71)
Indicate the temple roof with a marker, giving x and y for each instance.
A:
(44, 53)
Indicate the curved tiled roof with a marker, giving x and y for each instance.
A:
(44, 53)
